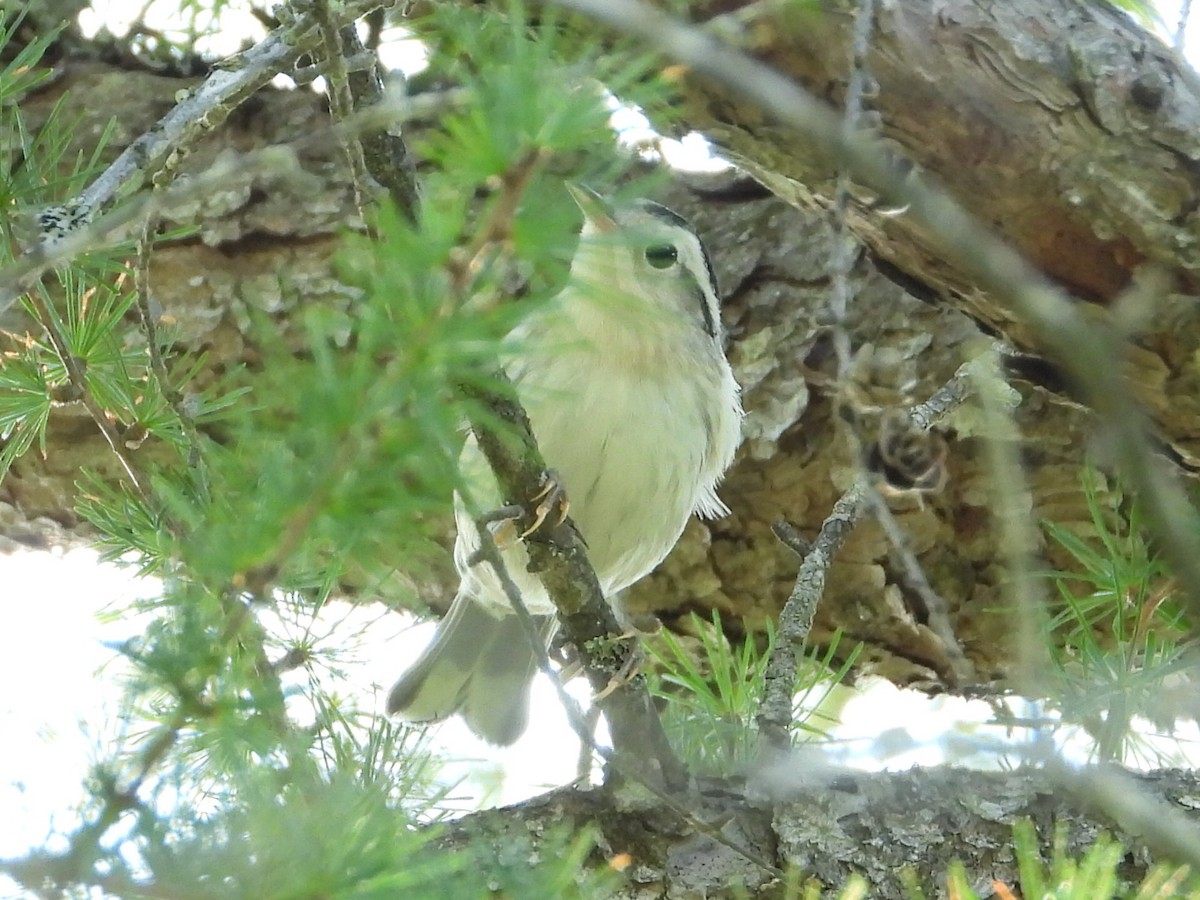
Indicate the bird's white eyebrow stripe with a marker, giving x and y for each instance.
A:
(710, 327)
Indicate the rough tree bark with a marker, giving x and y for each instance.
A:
(1059, 122)
(873, 825)
(1066, 127)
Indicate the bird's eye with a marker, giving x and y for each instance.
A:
(662, 256)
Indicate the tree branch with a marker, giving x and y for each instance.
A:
(559, 558)
(820, 822)
(203, 109)
(90, 233)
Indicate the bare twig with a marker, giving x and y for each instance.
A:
(91, 233)
(146, 314)
(496, 228)
(944, 399)
(936, 610)
(149, 321)
(1011, 503)
(791, 538)
(924, 416)
(795, 621)
(586, 761)
(859, 85)
(844, 244)
(341, 102)
(385, 152)
(1185, 13)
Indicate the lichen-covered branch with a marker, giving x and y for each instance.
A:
(201, 110)
(774, 719)
(560, 559)
(830, 825)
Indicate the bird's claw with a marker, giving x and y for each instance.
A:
(551, 495)
(502, 523)
(629, 668)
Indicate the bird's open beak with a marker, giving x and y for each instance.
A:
(595, 210)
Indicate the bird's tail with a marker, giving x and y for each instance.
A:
(478, 664)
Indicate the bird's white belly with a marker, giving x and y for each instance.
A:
(629, 453)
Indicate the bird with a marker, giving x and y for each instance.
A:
(636, 410)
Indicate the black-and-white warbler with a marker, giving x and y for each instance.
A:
(634, 406)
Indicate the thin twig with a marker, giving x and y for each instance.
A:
(795, 621)
(381, 151)
(91, 233)
(496, 228)
(844, 244)
(385, 152)
(149, 321)
(586, 761)
(1185, 13)
(923, 416)
(944, 399)
(341, 102)
(859, 84)
(1011, 503)
(937, 611)
(791, 538)
(488, 552)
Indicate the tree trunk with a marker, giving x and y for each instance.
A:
(823, 828)
(1063, 125)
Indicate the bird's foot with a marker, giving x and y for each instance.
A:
(629, 668)
(552, 495)
(504, 522)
